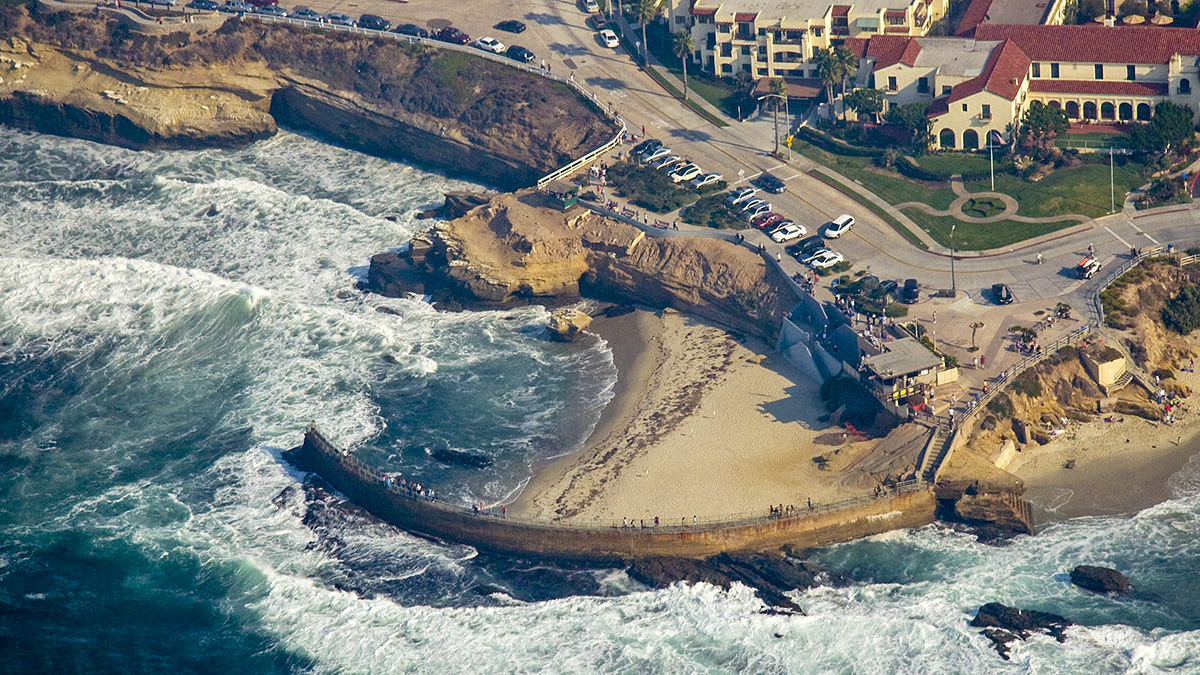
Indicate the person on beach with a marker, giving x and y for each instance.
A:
(810, 508)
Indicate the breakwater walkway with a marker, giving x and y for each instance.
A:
(906, 505)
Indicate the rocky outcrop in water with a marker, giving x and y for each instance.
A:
(771, 575)
(519, 248)
(1003, 624)
(1100, 579)
(568, 323)
(457, 205)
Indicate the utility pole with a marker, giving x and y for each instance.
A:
(1112, 188)
(953, 285)
(785, 102)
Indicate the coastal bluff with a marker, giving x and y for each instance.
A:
(520, 248)
(87, 75)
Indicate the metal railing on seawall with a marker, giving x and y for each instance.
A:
(560, 172)
(352, 464)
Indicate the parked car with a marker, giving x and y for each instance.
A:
(669, 164)
(755, 211)
(203, 5)
(806, 247)
(648, 144)
(262, 3)
(590, 6)
(771, 184)
(769, 219)
(373, 22)
(272, 10)
(1002, 294)
(740, 195)
(339, 19)
(599, 22)
(510, 26)
(911, 291)
(519, 53)
(655, 154)
(706, 179)
(609, 38)
(839, 226)
(490, 44)
(236, 7)
(785, 222)
(411, 29)
(886, 287)
(826, 260)
(306, 14)
(787, 233)
(1087, 268)
(453, 36)
(753, 203)
(685, 172)
(162, 3)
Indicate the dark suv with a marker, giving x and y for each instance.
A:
(771, 184)
(911, 292)
(373, 22)
(453, 36)
(411, 29)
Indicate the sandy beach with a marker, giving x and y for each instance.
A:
(701, 424)
(1118, 467)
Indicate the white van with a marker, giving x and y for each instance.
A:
(839, 226)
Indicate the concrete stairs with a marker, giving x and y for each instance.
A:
(936, 450)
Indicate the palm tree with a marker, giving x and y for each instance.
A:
(827, 70)
(644, 12)
(684, 46)
(778, 87)
(847, 62)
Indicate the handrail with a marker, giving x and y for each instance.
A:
(353, 464)
(560, 172)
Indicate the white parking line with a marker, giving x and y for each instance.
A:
(750, 177)
(797, 175)
(1118, 237)
(1141, 232)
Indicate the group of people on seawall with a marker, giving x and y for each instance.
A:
(414, 489)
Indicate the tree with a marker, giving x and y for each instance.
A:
(1041, 124)
(1170, 127)
(1087, 10)
(779, 88)
(644, 12)
(911, 116)
(847, 64)
(865, 101)
(1182, 312)
(684, 46)
(1133, 7)
(827, 70)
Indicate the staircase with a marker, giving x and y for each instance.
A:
(935, 451)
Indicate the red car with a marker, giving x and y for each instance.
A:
(453, 35)
(766, 220)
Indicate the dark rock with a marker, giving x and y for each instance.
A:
(212, 211)
(456, 205)
(1040, 436)
(1085, 386)
(392, 276)
(771, 575)
(488, 589)
(1019, 430)
(461, 458)
(988, 423)
(617, 310)
(1100, 579)
(1003, 624)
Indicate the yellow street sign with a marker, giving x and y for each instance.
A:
(788, 141)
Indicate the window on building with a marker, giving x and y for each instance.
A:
(725, 28)
(762, 72)
(727, 50)
(946, 89)
(762, 53)
(746, 67)
(762, 32)
(986, 113)
(817, 31)
(1054, 70)
(1185, 87)
(891, 84)
(745, 51)
(964, 107)
(1130, 73)
(1037, 69)
(1099, 71)
(726, 67)
(923, 85)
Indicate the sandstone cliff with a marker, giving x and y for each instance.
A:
(519, 248)
(88, 76)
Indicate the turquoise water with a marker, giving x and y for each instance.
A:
(155, 360)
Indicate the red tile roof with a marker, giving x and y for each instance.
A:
(1002, 75)
(856, 45)
(1099, 87)
(745, 16)
(1097, 44)
(909, 57)
(894, 13)
(896, 29)
(704, 11)
(973, 17)
(887, 50)
(939, 107)
(841, 10)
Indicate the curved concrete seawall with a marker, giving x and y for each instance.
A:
(910, 506)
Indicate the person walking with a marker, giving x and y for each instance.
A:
(1039, 258)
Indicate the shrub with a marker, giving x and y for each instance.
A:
(830, 144)
(896, 311)
(1002, 405)
(1027, 383)
(1182, 312)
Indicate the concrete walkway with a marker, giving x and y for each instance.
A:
(963, 198)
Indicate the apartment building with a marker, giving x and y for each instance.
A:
(974, 86)
(777, 38)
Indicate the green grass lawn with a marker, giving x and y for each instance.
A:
(956, 162)
(982, 236)
(717, 91)
(1082, 189)
(892, 187)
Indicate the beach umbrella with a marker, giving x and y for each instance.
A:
(1161, 20)
(1133, 19)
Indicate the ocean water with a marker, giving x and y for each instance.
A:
(155, 360)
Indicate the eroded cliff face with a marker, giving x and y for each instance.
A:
(520, 248)
(85, 75)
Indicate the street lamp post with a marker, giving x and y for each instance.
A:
(953, 285)
(976, 325)
(787, 113)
